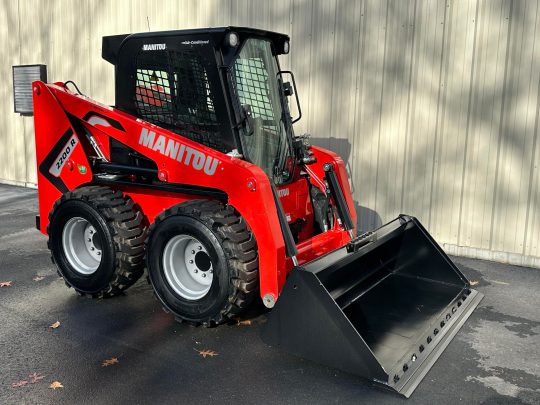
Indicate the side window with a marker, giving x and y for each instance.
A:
(172, 90)
(195, 101)
(153, 95)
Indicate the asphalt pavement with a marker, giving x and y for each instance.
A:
(127, 350)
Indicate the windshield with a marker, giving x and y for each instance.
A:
(257, 84)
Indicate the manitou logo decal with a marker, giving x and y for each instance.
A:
(175, 150)
(154, 47)
(284, 192)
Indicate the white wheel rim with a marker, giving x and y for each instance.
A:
(187, 267)
(82, 245)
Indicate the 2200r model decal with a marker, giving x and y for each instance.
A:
(63, 156)
(48, 165)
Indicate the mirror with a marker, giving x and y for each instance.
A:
(287, 89)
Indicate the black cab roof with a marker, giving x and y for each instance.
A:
(111, 44)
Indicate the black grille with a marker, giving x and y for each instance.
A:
(172, 91)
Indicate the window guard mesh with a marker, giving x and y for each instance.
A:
(172, 90)
(252, 86)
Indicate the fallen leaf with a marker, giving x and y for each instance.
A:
(18, 384)
(473, 283)
(206, 353)
(38, 278)
(35, 377)
(55, 325)
(109, 362)
(246, 322)
(5, 284)
(499, 282)
(56, 384)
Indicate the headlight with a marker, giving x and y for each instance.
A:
(286, 47)
(232, 39)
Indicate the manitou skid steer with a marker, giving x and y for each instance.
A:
(196, 175)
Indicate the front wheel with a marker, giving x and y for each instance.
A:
(187, 267)
(202, 262)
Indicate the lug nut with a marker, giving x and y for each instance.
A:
(99, 253)
(191, 262)
(200, 248)
(92, 249)
(192, 252)
(204, 275)
(195, 271)
(89, 239)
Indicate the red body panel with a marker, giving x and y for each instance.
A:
(181, 160)
(296, 203)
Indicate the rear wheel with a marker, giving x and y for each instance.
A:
(202, 262)
(96, 238)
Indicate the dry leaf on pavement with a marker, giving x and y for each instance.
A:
(473, 283)
(5, 283)
(246, 322)
(18, 384)
(35, 377)
(109, 362)
(38, 278)
(55, 325)
(56, 384)
(206, 353)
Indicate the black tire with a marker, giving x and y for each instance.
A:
(120, 229)
(232, 250)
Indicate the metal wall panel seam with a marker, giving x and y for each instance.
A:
(468, 123)
(500, 136)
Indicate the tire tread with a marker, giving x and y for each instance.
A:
(128, 227)
(239, 246)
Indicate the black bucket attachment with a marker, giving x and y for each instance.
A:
(384, 307)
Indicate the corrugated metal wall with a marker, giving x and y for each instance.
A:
(433, 104)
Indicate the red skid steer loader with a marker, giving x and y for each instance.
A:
(196, 175)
